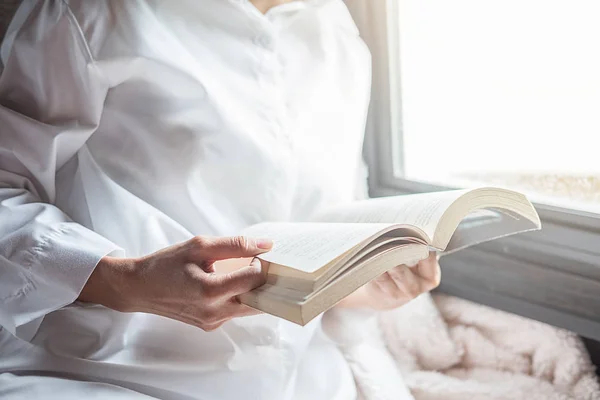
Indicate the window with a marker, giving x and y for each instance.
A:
(505, 93)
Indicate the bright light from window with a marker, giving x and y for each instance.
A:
(503, 91)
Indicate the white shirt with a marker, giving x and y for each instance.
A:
(128, 126)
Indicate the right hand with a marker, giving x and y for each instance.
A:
(180, 282)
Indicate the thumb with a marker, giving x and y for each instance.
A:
(220, 248)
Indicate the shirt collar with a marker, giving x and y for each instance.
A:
(292, 6)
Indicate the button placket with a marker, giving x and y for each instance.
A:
(269, 78)
(265, 40)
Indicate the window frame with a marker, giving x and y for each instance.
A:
(552, 275)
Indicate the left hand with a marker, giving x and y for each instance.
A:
(396, 287)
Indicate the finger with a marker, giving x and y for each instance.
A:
(207, 319)
(385, 283)
(205, 248)
(210, 328)
(429, 271)
(231, 309)
(408, 283)
(243, 280)
(191, 320)
(235, 309)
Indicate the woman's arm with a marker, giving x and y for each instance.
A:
(51, 98)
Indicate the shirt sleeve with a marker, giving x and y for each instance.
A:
(51, 99)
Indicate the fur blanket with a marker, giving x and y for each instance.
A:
(444, 348)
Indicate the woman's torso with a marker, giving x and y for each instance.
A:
(217, 117)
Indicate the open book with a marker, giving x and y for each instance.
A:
(313, 265)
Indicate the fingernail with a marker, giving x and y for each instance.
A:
(264, 244)
(255, 263)
(260, 265)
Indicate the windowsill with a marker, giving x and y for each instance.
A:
(566, 191)
(551, 275)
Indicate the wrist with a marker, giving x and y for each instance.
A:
(110, 284)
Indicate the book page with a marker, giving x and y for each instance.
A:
(310, 246)
(485, 225)
(423, 210)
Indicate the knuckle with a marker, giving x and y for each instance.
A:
(241, 242)
(381, 279)
(210, 328)
(198, 241)
(395, 274)
(413, 289)
(206, 327)
(378, 284)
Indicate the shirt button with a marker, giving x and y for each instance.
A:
(265, 41)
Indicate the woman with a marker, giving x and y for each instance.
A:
(128, 129)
